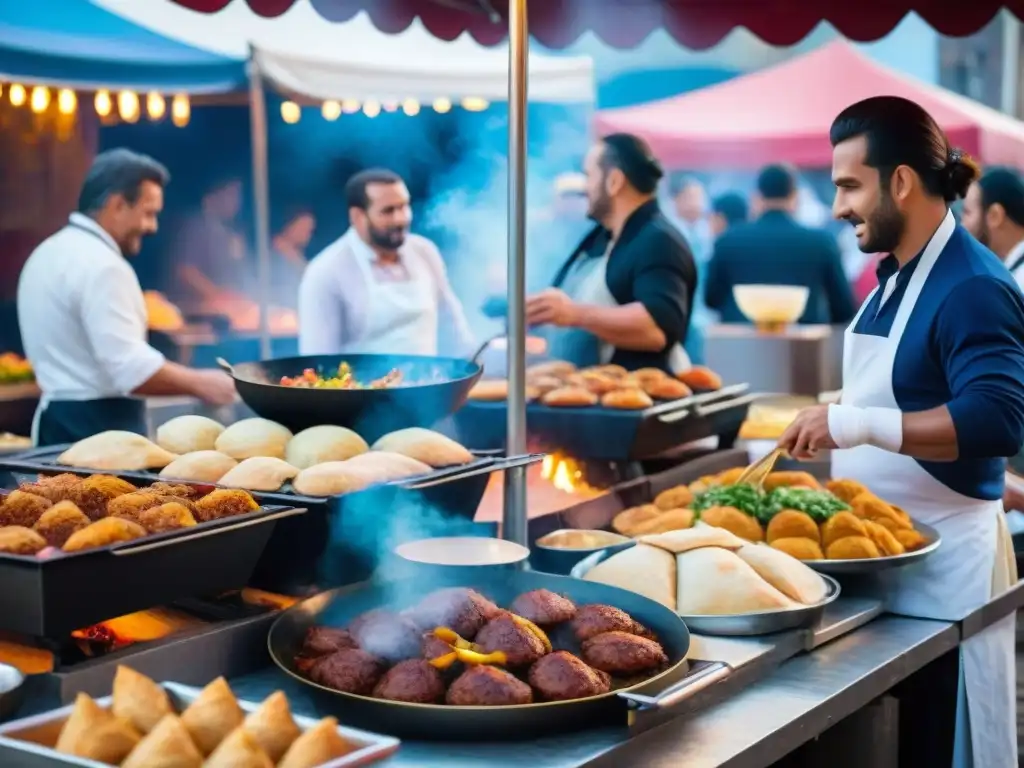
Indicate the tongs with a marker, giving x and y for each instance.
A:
(758, 472)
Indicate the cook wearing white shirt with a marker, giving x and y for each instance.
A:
(994, 213)
(379, 289)
(82, 314)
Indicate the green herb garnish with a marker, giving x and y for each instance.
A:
(745, 498)
(819, 505)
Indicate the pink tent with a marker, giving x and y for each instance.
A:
(783, 113)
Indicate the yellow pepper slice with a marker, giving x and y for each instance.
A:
(446, 661)
(534, 629)
(447, 636)
(466, 656)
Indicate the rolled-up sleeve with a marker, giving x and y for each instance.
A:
(980, 337)
(116, 328)
(663, 285)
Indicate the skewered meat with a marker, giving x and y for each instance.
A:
(386, 635)
(24, 509)
(464, 611)
(515, 639)
(560, 676)
(414, 681)
(349, 670)
(485, 686)
(543, 607)
(623, 653)
(323, 640)
(596, 619)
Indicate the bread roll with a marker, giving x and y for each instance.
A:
(787, 574)
(432, 448)
(643, 569)
(666, 389)
(699, 536)
(668, 520)
(324, 443)
(254, 437)
(557, 368)
(569, 397)
(114, 450)
(185, 434)
(627, 400)
(699, 377)
(489, 391)
(339, 477)
(717, 582)
(259, 473)
(199, 467)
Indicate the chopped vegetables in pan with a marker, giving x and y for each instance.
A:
(343, 379)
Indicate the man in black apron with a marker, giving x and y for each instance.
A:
(83, 318)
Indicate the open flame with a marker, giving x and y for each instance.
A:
(141, 627)
(566, 474)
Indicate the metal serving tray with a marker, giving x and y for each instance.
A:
(27, 743)
(878, 564)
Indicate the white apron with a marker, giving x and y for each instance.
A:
(402, 315)
(975, 561)
(1015, 263)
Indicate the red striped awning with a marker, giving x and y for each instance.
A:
(697, 24)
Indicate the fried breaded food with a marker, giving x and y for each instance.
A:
(544, 384)
(627, 399)
(730, 476)
(615, 371)
(628, 520)
(669, 520)
(18, 540)
(224, 502)
(177, 490)
(666, 389)
(847, 490)
(643, 375)
(94, 493)
(109, 530)
(899, 511)
(166, 517)
(702, 484)
(887, 544)
(793, 524)
(130, 505)
(870, 507)
(910, 539)
(55, 488)
(700, 377)
(24, 509)
(594, 382)
(734, 521)
(790, 480)
(800, 548)
(60, 521)
(840, 526)
(852, 548)
(569, 397)
(674, 498)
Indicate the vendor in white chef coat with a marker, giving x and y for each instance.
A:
(379, 289)
(932, 398)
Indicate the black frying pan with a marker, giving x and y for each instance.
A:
(441, 722)
(433, 388)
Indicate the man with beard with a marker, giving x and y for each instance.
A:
(994, 213)
(932, 402)
(626, 293)
(379, 289)
(82, 314)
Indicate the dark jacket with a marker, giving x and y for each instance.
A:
(775, 250)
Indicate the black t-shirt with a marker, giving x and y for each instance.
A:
(651, 263)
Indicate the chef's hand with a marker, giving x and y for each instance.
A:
(808, 433)
(214, 387)
(1013, 493)
(550, 307)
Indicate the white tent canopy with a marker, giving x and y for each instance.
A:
(305, 54)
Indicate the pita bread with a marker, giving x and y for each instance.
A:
(185, 434)
(259, 473)
(648, 571)
(254, 437)
(784, 572)
(317, 445)
(683, 540)
(199, 467)
(717, 582)
(425, 445)
(116, 449)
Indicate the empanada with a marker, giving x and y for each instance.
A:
(273, 726)
(668, 520)
(259, 473)
(389, 465)
(629, 520)
(674, 498)
(320, 744)
(317, 445)
(786, 573)
(717, 582)
(168, 745)
(569, 397)
(189, 433)
(643, 569)
(884, 539)
(910, 540)
(627, 400)
(114, 450)
(239, 750)
(683, 540)
(212, 715)
(93, 733)
(199, 467)
(425, 445)
(102, 533)
(138, 700)
(358, 473)
(254, 437)
(489, 391)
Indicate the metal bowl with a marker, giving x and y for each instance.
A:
(12, 690)
(561, 560)
(877, 564)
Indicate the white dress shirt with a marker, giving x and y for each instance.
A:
(83, 317)
(1015, 263)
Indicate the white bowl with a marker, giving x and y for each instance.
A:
(771, 305)
(462, 551)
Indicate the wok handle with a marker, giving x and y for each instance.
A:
(679, 692)
(140, 548)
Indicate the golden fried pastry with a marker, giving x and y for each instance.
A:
(644, 375)
(253, 437)
(259, 473)
(666, 389)
(793, 579)
(138, 700)
(910, 539)
(870, 507)
(544, 384)
(319, 745)
(109, 530)
(224, 502)
(801, 548)
(732, 519)
(730, 476)
(699, 377)
(852, 548)
(131, 504)
(594, 381)
(884, 539)
(60, 521)
(18, 540)
(55, 488)
(323, 443)
(93, 733)
(790, 480)
(212, 715)
(714, 581)
(700, 535)
(189, 433)
(702, 484)
(425, 445)
(847, 490)
(177, 490)
(839, 526)
(167, 517)
(557, 368)
(24, 509)
(239, 750)
(627, 399)
(273, 726)
(489, 390)
(116, 449)
(792, 524)
(199, 467)
(899, 511)
(168, 745)
(615, 371)
(94, 493)
(569, 397)
(628, 520)
(674, 498)
(668, 520)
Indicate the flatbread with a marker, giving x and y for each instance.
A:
(648, 571)
(323, 443)
(717, 582)
(432, 448)
(199, 467)
(684, 540)
(784, 572)
(185, 434)
(254, 437)
(259, 473)
(116, 449)
(334, 478)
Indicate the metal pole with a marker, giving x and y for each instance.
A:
(261, 197)
(514, 518)
(1010, 96)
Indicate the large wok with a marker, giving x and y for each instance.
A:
(441, 722)
(433, 388)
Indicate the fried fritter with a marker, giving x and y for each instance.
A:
(847, 490)
(800, 548)
(170, 516)
(94, 493)
(730, 476)
(623, 653)
(671, 520)
(543, 607)
(679, 497)
(412, 680)
(130, 505)
(870, 507)
(910, 539)
(839, 526)
(884, 539)
(792, 524)
(24, 509)
(463, 611)
(734, 521)
(350, 670)
(628, 520)
(596, 619)
(18, 540)
(177, 490)
(55, 488)
(790, 480)
(520, 645)
(486, 686)
(109, 530)
(560, 676)
(224, 502)
(852, 548)
(60, 521)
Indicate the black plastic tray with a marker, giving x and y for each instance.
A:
(613, 435)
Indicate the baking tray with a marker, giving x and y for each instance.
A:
(742, 624)
(26, 743)
(878, 564)
(50, 597)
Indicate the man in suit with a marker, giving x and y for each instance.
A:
(775, 250)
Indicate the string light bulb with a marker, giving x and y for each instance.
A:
(103, 103)
(350, 106)
(128, 106)
(67, 102)
(411, 107)
(290, 112)
(181, 111)
(371, 108)
(40, 99)
(17, 94)
(331, 110)
(156, 107)
(474, 104)
(442, 105)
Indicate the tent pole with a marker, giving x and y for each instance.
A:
(514, 517)
(261, 197)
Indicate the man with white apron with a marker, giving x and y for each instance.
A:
(932, 401)
(82, 315)
(626, 294)
(994, 213)
(379, 289)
